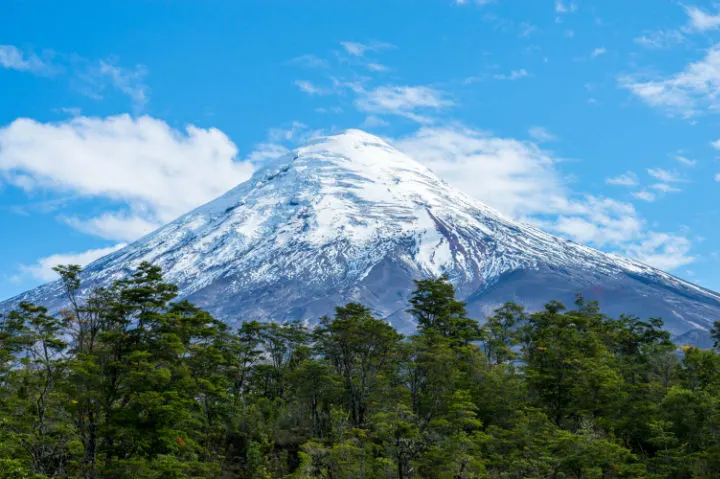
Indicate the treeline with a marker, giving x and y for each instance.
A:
(129, 384)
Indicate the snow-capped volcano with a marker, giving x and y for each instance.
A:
(349, 218)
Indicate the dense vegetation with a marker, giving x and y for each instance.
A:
(129, 384)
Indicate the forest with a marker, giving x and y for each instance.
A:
(129, 382)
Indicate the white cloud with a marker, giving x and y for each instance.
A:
(626, 179)
(665, 188)
(664, 175)
(597, 52)
(372, 121)
(686, 161)
(659, 39)
(130, 82)
(522, 181)
(295, 132)
(515, 177)
(265, 151)
(310, 61)
(685, 93)
(43, 268)
(311, 89)
(477, 2)
(376, 67)
(278, 140)
(13, 58)
(70, 111)
(561, 7)
(402, 100)
(354, 48)
(156, 171)
(92, 79)
(645, 196)
(331, 110)
(701, 21)
(115, 226)
(526, 29)
(662, 250)
(513, 75)
(540, 134)
(358, 49)
(602, 222)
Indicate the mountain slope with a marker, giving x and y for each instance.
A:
(348, 218)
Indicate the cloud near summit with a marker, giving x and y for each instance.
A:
(152, 171)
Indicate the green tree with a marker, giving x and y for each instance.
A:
(436, 310)
(570, 372)
(363, 350)
(499, 333)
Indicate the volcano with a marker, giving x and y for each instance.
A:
(349, 218)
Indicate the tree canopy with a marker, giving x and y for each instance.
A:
(129, 382)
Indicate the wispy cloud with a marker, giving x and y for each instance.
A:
(332, 109)
(562, 7)
(662, 250)
(13, 58)
(648, 193)
(686, 93)
(660, 39)
(513, 75)
(626, 179)
(597, 52)
(540, 134)
(118, 226)
(644, 195)
(129, 81)
(359, 49)
(42, 269)
(312, 89)
(476, 2)
(376, 67)
(279, 140)
(685, 160)
(665, 188)
(526, 29)
(665, 175)
(700, 20)
(373, 121)
(402, 100)
(90, 77)
(71, 111)
(310, 61)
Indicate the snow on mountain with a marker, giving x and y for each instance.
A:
(349, 218)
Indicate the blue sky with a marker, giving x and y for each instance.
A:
(596, 120)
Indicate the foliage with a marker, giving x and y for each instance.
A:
(128, 382)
